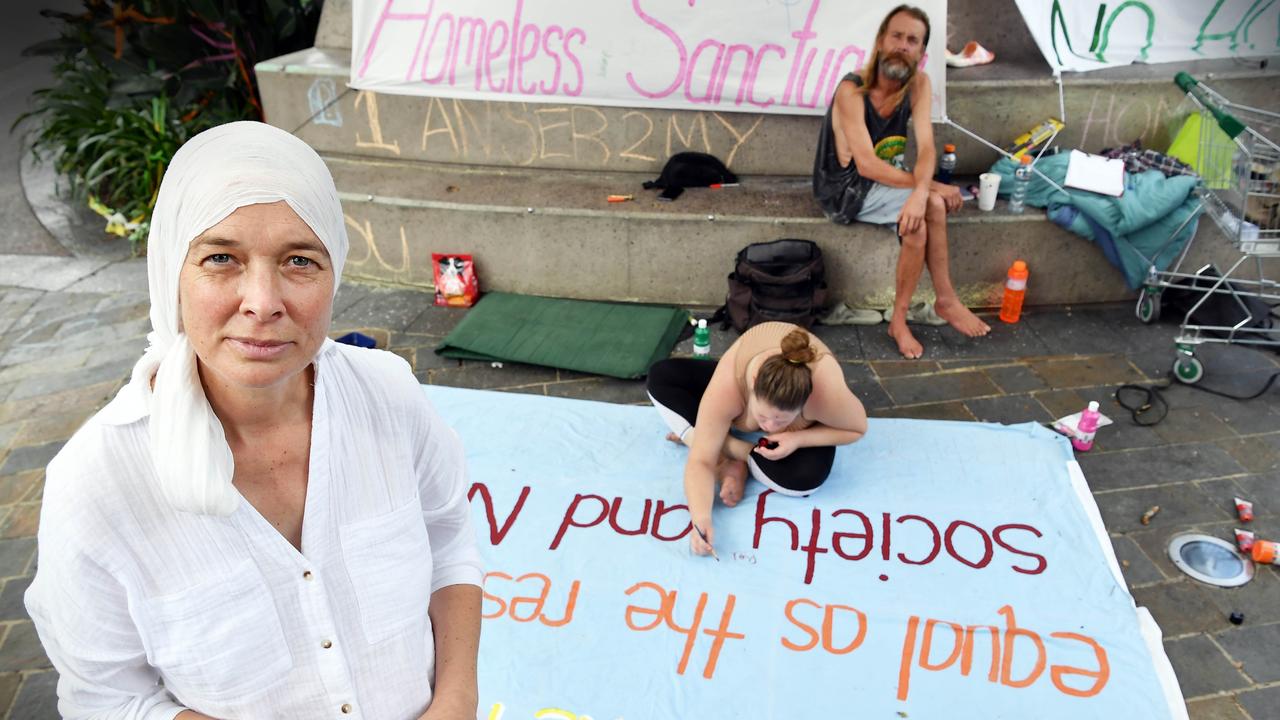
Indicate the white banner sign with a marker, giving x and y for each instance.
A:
(1080, 35)
(774, 56)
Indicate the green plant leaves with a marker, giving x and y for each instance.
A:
(124, 102)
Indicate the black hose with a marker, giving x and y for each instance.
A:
(1141, 400)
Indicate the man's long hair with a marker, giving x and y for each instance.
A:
(871, 71)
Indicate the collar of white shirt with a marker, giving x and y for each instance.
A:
(133, 402)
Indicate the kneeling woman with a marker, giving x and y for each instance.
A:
(778, 379)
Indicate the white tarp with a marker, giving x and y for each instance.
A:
(773, 56)
(945, 570)
(1080, 35)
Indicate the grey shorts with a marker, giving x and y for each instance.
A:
(883, 204)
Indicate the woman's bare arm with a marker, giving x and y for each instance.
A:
(838, 413)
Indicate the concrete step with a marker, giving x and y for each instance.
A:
(551, 232)
(998, 102)
(306, 93)
(522, 186)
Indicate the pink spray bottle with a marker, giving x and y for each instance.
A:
(1083, 439)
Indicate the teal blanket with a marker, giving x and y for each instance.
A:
(1130, 229)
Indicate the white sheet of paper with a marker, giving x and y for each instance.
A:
(1070, 425)
(1095, 174)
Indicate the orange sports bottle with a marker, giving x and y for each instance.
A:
(1015, 287)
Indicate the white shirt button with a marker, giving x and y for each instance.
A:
(346, 708)
(326, 644)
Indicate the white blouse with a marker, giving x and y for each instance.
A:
(145, 610)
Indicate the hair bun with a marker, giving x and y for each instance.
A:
(796, 348)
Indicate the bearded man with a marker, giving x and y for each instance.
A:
(859, 173)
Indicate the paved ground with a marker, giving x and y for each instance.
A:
(73, 318)
(66, 346)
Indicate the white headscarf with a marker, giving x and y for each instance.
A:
(213, 174)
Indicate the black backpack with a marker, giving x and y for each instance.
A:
(783, 281)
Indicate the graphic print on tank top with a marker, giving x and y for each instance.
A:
(893, 150)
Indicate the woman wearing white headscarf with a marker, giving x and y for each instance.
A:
(262, 523)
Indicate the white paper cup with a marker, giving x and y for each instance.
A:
(988, 185)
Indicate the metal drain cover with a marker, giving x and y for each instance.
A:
(1210, 560)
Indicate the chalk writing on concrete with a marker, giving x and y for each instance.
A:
(1115, 118)
(370, 101)
(372, 252)
(322, 99)
(525, 134)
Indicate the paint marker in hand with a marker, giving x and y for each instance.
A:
(708, 542)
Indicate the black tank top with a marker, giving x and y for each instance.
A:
(841, 190)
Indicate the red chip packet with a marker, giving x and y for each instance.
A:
(455, 277)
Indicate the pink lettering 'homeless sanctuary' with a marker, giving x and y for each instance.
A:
(724, 55)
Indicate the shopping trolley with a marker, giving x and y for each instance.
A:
(1239, 188)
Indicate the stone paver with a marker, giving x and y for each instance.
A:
(1157, 465)
(1138, 569)
(954, 410)
(21, 649)
(1008, 409)
(1217, 708)
(920, 389)
(1015, 378)
(9, 683)
(1181, 607)
(1201, 666)
(38, 698)
(1256, 648)
(1262, 704)
(1207, 450)
(1182, 504)
(46, 272)
(11, 607)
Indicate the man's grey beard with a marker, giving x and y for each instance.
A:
(896, 69)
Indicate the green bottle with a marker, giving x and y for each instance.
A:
(702, 341)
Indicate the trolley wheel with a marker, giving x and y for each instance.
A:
(1188, 369)
(1148, 309)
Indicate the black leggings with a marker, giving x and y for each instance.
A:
(676, 385)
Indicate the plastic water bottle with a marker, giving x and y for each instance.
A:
(1015, 288)
(947, 163)
(1088, 427)
(1021, 179)
(702, 341)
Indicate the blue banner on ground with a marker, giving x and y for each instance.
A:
(955, 570)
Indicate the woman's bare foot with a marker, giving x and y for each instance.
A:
(961, 318)
(910, 348)
(733, 480)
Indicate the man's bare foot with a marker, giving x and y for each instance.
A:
(688, 438)
(961, 318)
(733, 480)
(910, 348)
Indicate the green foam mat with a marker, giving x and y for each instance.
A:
(615, 339)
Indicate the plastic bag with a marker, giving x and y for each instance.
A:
(455, 276)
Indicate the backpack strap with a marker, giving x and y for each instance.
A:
(721, 315)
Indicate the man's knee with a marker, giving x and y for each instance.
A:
(916, 240)
(937, 207)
